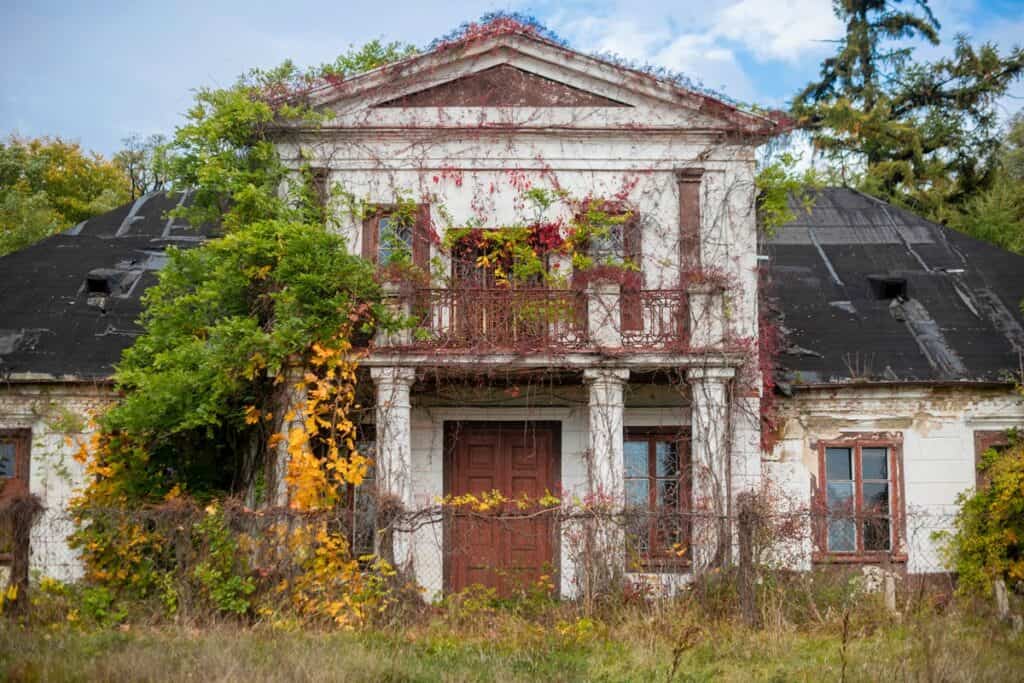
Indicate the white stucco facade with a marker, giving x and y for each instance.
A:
(56, 417)
(937, 427)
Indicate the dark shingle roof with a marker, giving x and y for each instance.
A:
(68, 303)
(864, 291)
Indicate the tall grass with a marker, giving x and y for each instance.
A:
(824, 630)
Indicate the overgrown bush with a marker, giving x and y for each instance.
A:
(988, 542)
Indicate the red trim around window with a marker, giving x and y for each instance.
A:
(658, 557)
(19, 483)
(893, 442)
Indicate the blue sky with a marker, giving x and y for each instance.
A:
(99, 71)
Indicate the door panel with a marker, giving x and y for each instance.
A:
(515, 458)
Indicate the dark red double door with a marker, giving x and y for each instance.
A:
(508, 549)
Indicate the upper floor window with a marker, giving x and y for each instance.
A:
(393, 236)
(657, 467)
(608, 243)
(984, 440)
(618, 243)
(861, 484)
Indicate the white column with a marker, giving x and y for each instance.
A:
(711, 540)
(394, 449)
(607, 470)
(290, 416)
(604, 314)
(604, 557)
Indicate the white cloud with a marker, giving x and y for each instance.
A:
(705, 42)
(699, 56)
(783, 30)
(706, 61)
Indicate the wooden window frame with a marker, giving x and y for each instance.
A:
(664, 561)
(985, 439)
(893, 441)
(22, 439)
(631, 317)
(320, 177)
(420, 246)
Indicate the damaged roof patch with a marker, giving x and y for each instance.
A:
(911, 300)
(68, 304)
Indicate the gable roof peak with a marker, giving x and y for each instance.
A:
(512, 36)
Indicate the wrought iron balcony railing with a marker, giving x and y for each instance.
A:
(539, 319)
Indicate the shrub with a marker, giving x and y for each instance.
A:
(988, 542)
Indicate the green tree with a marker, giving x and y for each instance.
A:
(1012, 153)
(48, 184)
(226, 316)
(996, 214)
(144, 162)
(922, 134)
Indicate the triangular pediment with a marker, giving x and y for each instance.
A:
(513, 80)
(503, 85)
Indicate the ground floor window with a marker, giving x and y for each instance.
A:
(14, 463)
(657, 475)
(860, 490)
(361, 501)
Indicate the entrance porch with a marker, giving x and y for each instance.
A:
(593, 444)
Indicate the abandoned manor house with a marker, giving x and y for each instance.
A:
(847, 367)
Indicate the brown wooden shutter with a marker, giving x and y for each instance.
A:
(632, 243)
(421, 238)
(688, 181)
(370, 232)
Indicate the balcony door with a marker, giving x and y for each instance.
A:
(493, 307)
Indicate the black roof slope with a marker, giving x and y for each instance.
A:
(68, 304)
(864, 291)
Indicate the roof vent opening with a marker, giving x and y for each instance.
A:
(115, 282)
(887, 288)
(97, 284)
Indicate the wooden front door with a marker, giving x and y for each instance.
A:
(489, 548)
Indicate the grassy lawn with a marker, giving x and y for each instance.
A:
(637, 647)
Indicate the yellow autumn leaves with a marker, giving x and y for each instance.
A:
(323, 460)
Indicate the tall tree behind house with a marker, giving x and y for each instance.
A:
(921, 134)
(49, 184)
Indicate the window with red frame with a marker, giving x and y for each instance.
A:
(860, 488)
(389, 237)
(657, 466)
(14, 464)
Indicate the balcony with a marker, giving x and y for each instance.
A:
(530, 320)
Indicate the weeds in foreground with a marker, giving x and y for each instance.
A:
(828, 630)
